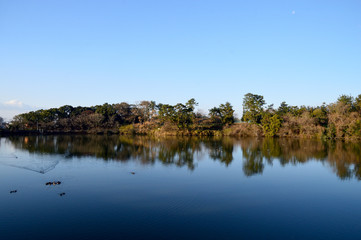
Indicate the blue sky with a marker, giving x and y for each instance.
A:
(86, 53)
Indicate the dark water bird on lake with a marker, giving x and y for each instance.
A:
(132, 173)
(61, 194)
(13, 191)
(53, 183)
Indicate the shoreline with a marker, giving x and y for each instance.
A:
(237, 130)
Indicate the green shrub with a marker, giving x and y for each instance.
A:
(127, 130)
(271, 124)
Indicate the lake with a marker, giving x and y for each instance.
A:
(116, 187)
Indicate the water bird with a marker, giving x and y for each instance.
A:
(13, 191)
(61, 194)
(132, 173)
(53, 183)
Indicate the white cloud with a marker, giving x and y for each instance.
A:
(293, 12)
(9, 109)
(14, 103)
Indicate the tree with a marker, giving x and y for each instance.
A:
(166, 112)
(271, 124)
(283, 109)
(184, 113)
(345, 99)
(19, 122)
(215, 113)
(253, 108)
(191, 104)
(65, 111)
(227, 112)
(180, 114)
(106, 110)
(146, 110)
(320, 114)
(124, 111)
(224, 113)
(347, 102)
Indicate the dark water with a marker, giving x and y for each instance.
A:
(185, 188)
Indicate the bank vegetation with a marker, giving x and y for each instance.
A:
(338, 120)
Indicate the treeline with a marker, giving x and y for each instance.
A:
(83, 119)
(145, 116)
(341, 119)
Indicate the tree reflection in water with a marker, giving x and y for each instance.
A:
(344, 158)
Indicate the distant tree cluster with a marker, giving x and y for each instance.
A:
(69, 118)
(181, 114)
(336, 120)
(224, 113)
(113, 116)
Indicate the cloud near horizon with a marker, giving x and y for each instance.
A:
(9, 109)
(14, 103)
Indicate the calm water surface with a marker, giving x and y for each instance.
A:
(178, 188)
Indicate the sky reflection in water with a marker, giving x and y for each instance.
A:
(181, 188)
